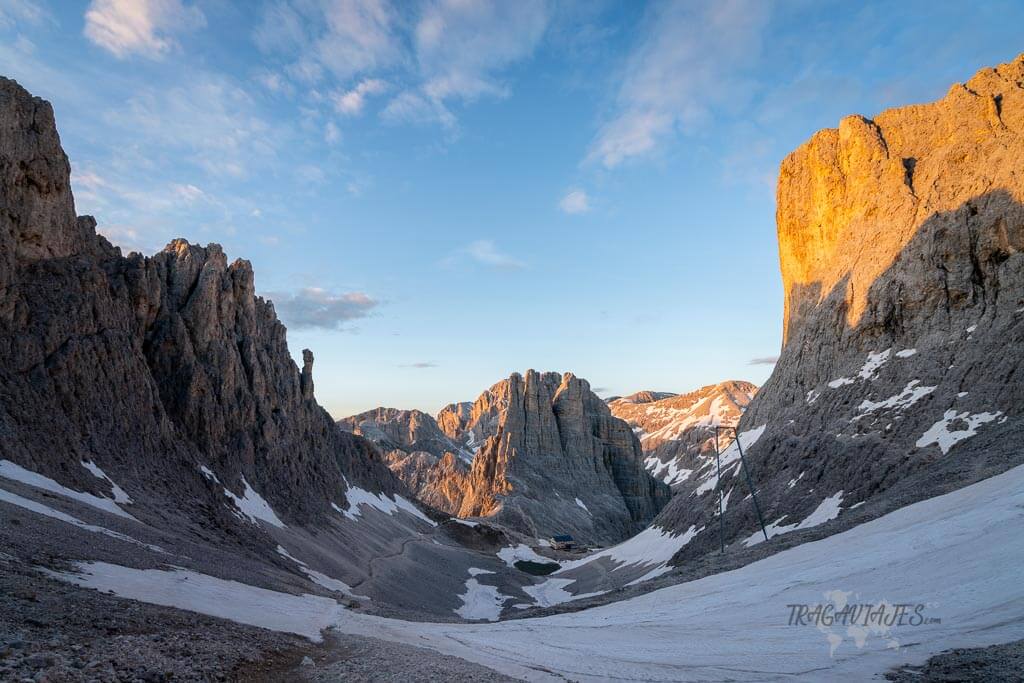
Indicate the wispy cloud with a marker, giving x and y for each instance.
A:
(316, 308)
(448, 51)
(144, 27)
(351, 101)
(422, 365)
(15, 12)
(691, 60)
(486, 252)
(764, 360)
(212, 120)
(575, 201)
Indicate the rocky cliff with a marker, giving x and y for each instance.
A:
(166, 372)
(677, 432)
(432, 466)
(553, 459)
(902, 370)
(547, 457)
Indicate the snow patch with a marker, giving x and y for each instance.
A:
(120, 497)
(652, 546)
(357, 496)
(827, 510)
(523, 553)
(481, 602)
(874, 361)
(906, 353)
(10, 470)
(320, 578)
(39, 508)
(552, 592)
(252, 505)
(304, 615)
(582, 505)
(910, 395)
(939, 433)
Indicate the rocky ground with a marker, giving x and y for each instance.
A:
(56, 633)
(976, 665)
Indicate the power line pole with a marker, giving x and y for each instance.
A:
(750, 485)
(721, 506)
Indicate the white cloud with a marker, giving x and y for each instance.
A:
(313, 307)
(690, 62)
(462, 47)
(14, 12)
(576, 201)
(341, 37)
(188, 193)
(352, 101)
(212, 120)
(487, 253)
(145, 27)
(454, 50)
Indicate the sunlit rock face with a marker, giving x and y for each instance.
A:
(547, 457)
(677, 432)
(900, 376)
(153, 369)
(433, 466)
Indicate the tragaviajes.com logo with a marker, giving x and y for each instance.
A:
(840, 618)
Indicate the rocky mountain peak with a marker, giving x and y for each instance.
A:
(901, 241)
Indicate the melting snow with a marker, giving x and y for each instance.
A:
(906, 353)
(10, 470)
(652, 546)
(305, 615)
(321, 579)
(552, 592)
(827, 510)
(874, 361)
(842, 381)
(581, 504)
(120, 496)
(910, 395)
(480, 601)
(39, 508)
(812, 396)
(252, 505)
(940, 434)
(523, 553)
(357, 496)
(668, 472)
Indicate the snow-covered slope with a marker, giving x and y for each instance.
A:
(949, 554)
(676, 430)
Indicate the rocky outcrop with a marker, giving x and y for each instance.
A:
(677, 432)
(432, 466)
(150, 368)
(554, 460)
(547, 457)
(902, 370)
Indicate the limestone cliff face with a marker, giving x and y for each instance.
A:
(677, 432)
(547, 457)
(902, 371)
(554, 459)
(149, 367)
(431, 465)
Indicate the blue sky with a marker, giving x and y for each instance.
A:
(438, 193)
